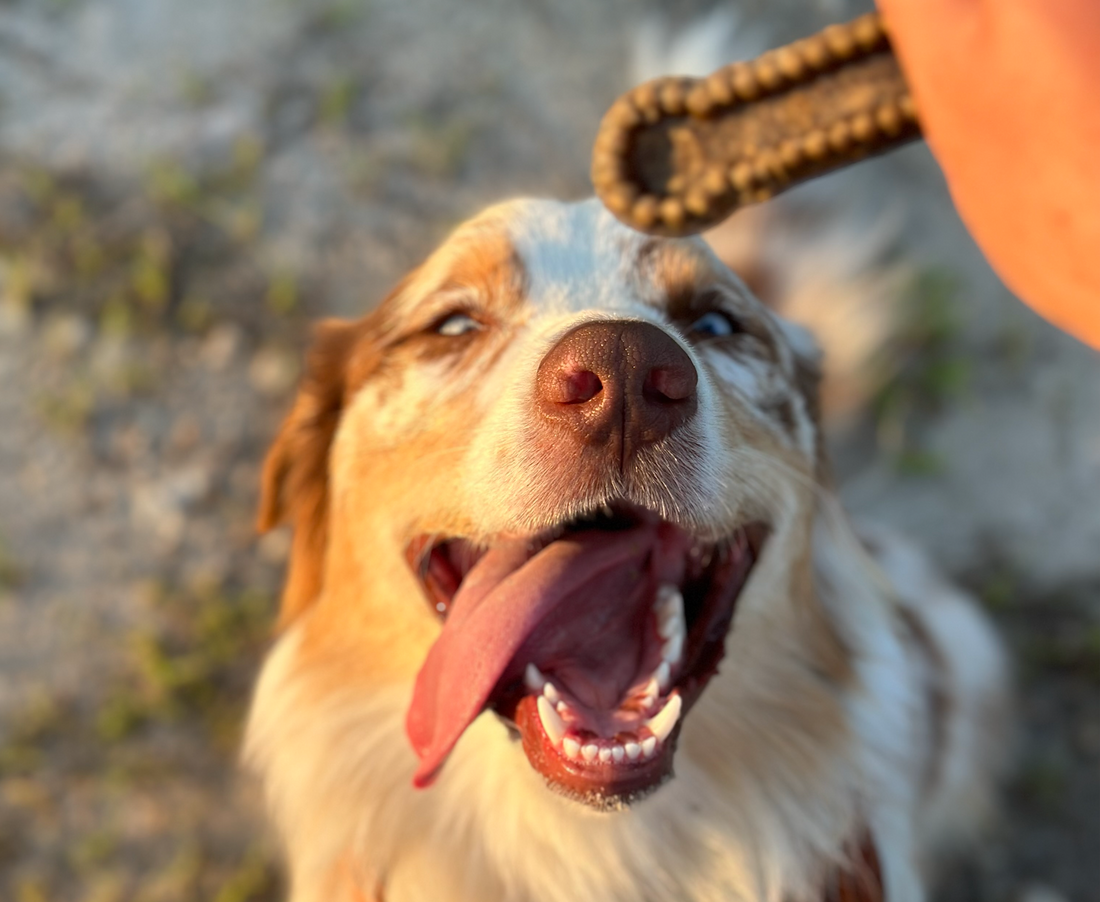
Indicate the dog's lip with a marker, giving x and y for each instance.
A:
(608, 782)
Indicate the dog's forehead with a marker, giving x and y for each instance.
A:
(577, 256)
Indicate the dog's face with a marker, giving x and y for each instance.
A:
(542, 480)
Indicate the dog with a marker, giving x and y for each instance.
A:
(572, 611)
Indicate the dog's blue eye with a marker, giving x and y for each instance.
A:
(458, 324)
(715, 324)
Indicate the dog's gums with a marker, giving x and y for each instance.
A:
(592, 640)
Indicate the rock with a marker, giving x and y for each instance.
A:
(65, 335)
(162, 505)
(15, 319)
(221, 346)
(185, 434)
(273, 371)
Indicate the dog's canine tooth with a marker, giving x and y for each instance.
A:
(605, 755)
(673, 648)
(633, 750)
(667, 592)
(571, 747)
(590, 751)
(662, 675)
(649, 746)
(670, 614)
(551, 721)
(551, 692)
(669, 609)
(534, 678)
(664, 720)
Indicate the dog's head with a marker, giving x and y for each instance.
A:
(542, 479)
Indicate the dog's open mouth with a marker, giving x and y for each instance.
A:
(593, 639)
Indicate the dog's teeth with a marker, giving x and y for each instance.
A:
(651, 690)
(649, 746)
(590, 751)
(551, 721)
(633, 750)
(673, 648)
(533, 678)
(551, 693)
(617, 753)
(605, 755)
(669, 609)
(669, 626)
(571, 747)
(561, 707)
(663, 674)
(664, 720)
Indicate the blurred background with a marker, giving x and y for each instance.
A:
(186, 184)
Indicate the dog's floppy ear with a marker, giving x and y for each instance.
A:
(295, 482)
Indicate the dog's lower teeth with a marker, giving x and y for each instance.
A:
(551, 721)
(663, 722)
(558, 720)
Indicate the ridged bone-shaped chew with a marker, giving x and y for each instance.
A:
(678, 155)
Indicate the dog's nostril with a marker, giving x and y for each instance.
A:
(579, 387)
(670, 384)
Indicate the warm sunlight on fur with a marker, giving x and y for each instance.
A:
(567, 557)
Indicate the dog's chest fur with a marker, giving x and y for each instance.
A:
(853, 714)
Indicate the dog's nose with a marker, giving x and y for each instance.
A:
(619, 384)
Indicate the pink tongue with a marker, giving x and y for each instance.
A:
(501, 601)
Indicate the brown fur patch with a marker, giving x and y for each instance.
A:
(692, 287)
(491, 268)
(343, 357)
(294, 484)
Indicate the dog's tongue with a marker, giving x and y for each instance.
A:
(500, 602)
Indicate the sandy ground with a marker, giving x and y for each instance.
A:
(184, 185)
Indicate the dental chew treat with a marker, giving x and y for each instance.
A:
(678, 155)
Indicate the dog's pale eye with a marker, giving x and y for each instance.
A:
(458, 324)
(714, 324)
